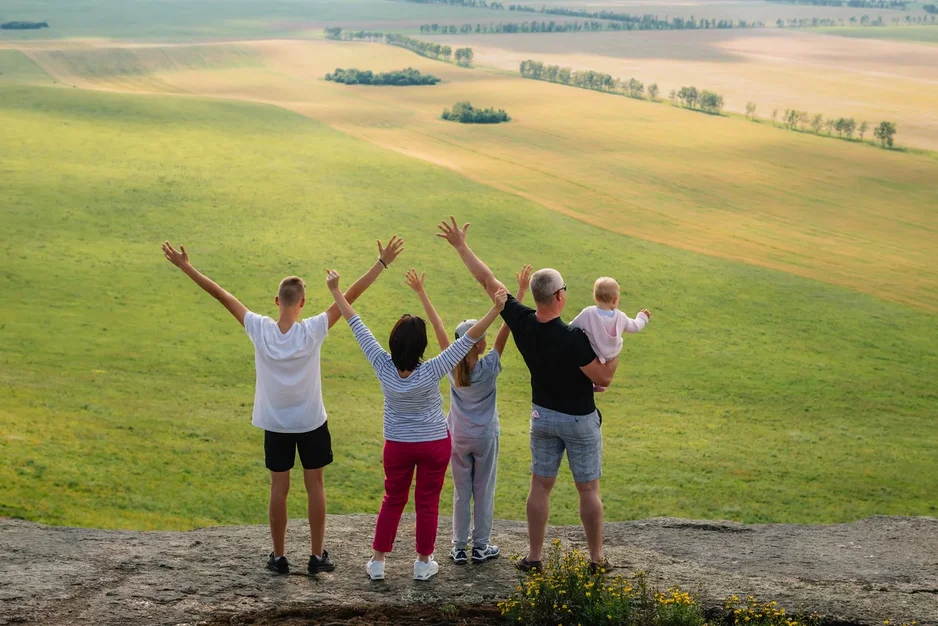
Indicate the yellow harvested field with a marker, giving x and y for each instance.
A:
(867, 79)
(843, 213)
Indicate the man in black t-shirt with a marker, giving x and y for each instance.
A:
(563, 369)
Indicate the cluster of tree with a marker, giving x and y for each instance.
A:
(845, 127)
(703, 100)
(441, 52)
(857, 4)
(648, 22)
(930, 8)
(638, 22)
(408, 76)
(482, 4)
(23, 25)
(464, 56)
(588, 79)
(465, 113)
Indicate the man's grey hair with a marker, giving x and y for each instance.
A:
(544, 284)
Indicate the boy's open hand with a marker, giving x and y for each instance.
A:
(646, 312)
(413, 281)
(524, 277)
(332, 280)
(395, 247)
(501, 297)
(179, 258)
(452, 233)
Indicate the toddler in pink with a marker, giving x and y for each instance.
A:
(604, 323)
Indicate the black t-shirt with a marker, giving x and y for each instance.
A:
(554, 353)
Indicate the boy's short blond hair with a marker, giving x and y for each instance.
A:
(605, 290)
(292, 290)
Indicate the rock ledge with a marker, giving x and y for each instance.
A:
(859, 573)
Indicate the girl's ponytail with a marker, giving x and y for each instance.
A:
(462, 375)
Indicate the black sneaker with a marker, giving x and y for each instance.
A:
(600, 568)
(459, 556)
(320, 564)
(525, 565)
(279, 564)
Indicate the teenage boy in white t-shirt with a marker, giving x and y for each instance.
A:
(288, 395)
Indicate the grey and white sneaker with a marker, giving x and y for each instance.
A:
(481, 555)
(375, 569)
(458, 555)
(425, 571)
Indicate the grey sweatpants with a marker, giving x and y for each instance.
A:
(474, 463)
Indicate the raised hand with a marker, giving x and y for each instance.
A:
(179, 258)
(413, 281)
(332, 280)
(646, 312)
(524, 277)
(501, 297)
(395, 247)
(452, 233)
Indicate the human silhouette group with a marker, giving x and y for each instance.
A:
(568, 364)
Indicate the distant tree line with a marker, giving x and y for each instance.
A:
(465, 113)
(23, 25)
(408, 76)
(864, 20)
(899, 5)
(651, 23)
(482, 4)
(930, 8)
(637, 22)
(845, 127)
(440, 52)
(588, 79)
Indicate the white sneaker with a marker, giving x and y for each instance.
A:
(375, 569)
(425, 571)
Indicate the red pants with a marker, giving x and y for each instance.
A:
(431, 459)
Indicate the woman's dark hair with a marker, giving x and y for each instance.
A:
(408, 342)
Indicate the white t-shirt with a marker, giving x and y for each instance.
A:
(288, 393)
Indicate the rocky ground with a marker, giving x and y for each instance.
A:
(859, 573)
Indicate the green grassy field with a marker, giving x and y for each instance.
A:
(922, 34)
(126, 393)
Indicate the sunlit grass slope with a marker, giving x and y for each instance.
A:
(125, 393)
(849, 214)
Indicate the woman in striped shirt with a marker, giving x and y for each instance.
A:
(415, 430)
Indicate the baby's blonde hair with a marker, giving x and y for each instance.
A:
(605, 290)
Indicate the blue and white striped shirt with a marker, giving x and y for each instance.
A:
(413, 406)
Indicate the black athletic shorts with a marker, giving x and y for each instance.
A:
(314, 446)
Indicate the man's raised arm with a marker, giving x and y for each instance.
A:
(180, 258)
(457, 238)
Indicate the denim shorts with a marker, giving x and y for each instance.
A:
(580, 435)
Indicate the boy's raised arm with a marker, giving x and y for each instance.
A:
(457, 238)
(386, 256)
(180, 258)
